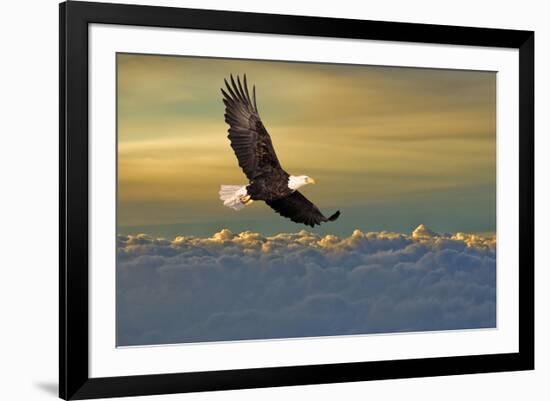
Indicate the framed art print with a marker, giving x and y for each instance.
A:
(197, 254)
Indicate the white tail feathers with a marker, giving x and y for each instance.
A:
(234, 196)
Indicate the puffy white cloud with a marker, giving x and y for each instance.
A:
(423, 232)
(247, 286)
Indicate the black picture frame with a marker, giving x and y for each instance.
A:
(74, 379)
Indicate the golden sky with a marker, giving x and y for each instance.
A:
(390, 147)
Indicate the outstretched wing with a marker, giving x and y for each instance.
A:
(300, 210)
(249, 138)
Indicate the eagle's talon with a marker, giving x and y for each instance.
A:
(246, 199)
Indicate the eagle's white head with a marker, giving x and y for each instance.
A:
(295, 182)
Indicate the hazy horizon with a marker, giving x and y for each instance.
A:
(199, 229)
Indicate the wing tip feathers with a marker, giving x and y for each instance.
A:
(334, 216)
(238, 91)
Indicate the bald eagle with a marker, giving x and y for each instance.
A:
(267, 179)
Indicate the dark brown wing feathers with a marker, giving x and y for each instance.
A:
(249, 138)
(299, 209)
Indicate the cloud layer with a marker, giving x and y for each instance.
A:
(249, 286)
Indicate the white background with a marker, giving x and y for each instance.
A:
(28, 173)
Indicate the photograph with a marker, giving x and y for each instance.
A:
(263, 199)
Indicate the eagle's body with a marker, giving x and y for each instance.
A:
(268, 181)
(271, 186)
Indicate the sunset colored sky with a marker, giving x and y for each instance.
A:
(390, 147)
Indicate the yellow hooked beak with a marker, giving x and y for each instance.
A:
(310, 180)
